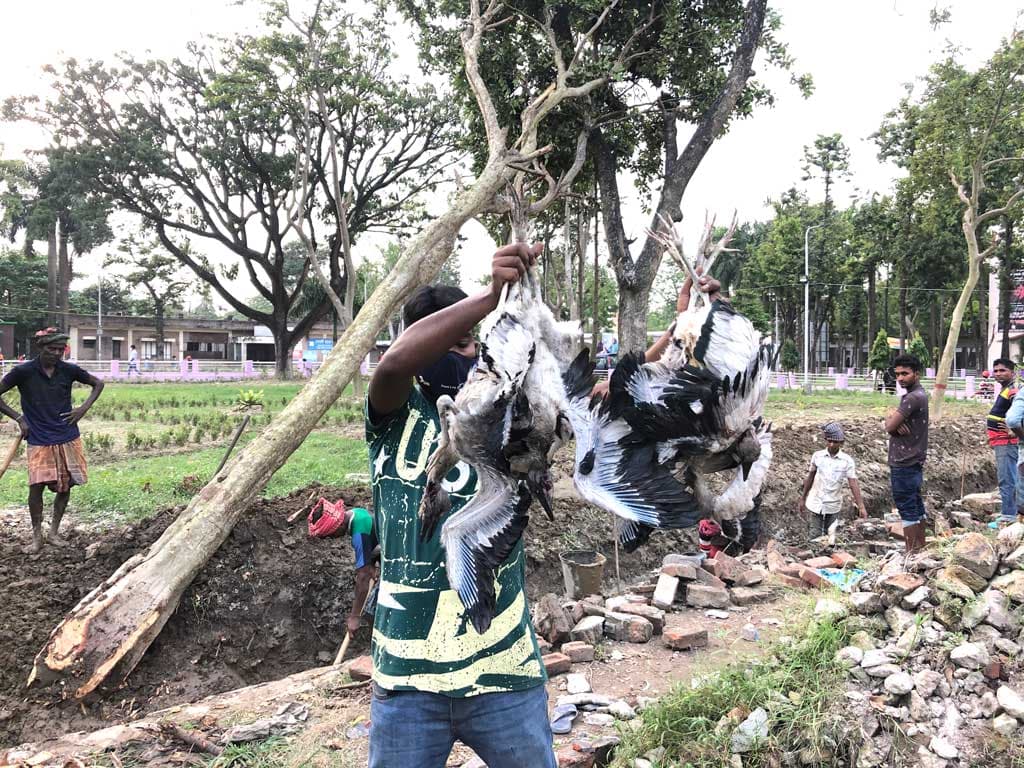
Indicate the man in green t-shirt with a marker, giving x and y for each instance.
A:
(435, 679)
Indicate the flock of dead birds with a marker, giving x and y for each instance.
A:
(642, 451)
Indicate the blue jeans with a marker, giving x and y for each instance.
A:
(1011, 491)
(411, 729)
(906, 492)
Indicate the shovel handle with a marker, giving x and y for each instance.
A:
(11, 453)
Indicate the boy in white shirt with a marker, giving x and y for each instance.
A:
(823, 488)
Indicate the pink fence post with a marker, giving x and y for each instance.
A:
(183, 368)
(929, 373)
(831, 371)
(195, 367)
(849, 371)
(969, 386)
(780, 381)
(115, 367)
(963, 372)
(248, 368)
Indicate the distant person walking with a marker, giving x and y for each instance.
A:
(133, 361)
(48, 421)
(1004, 442)
(907, 426)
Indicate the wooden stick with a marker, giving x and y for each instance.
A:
(615, 533)
(963, 473)
(234, 441)
(348, 635)
(193, 739)
(11, 453)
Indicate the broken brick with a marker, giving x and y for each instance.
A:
(665, 592)
(680, 571)
(811, 577)
(578, 652)
(843, 559)
(654, 615)
(819, 562)
(556, 663)
(726, 568)
(685, 638)
(791, 581)
(360, 668)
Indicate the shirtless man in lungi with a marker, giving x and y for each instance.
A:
(50, 425)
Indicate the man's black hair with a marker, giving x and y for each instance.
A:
(1005, 362)
(907, 361)
(430, 299)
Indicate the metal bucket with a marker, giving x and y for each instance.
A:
(582, 570)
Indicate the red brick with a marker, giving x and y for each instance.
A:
(811, 577)
(570, 757)
(792, 569)
(654, 615)
(993, 670)
(680, 571)
(556, 663)
(578, 652)
(360, 668)
(819, 562)
(775, 561)
(900, 584)
(843, 559)
(685, 638)
(791, 581)
(727, 568)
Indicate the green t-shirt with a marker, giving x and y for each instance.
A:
(422, 638)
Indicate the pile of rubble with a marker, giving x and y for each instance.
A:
(935, 669)
(571, 631)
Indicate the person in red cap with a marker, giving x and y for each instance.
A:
(328, 520)
(49, 423)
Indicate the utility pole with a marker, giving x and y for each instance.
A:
(99, 314)
(807, 307)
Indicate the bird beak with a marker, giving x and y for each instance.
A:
(745, 466)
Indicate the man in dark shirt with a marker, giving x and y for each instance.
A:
(1002, 440)
(907, 426)
(49, 423)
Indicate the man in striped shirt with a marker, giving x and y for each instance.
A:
(1003, 440)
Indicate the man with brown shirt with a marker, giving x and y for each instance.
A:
(907, 426)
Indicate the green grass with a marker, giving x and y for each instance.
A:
(138, 488)
(683, 721)
(824, 403)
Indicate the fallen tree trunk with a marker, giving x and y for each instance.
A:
(107, 633)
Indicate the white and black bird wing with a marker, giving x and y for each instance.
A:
(479, 538)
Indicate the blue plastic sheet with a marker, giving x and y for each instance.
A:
(845, 579)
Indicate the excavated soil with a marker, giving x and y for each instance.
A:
(271, 601)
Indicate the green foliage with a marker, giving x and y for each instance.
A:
(750, 304)
(789, 357)
(250, 398)
(204, 148)
(879, 356)
(919, 349)
(796, 684)
(22, 294)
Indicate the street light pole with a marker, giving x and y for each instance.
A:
(99, 314)
(807, 307)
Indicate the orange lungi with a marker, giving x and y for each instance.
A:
(59, 467)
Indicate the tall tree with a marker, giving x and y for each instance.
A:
(204, 148)
(690, 65)
(160, 274)
(964, 127)
(106, 634)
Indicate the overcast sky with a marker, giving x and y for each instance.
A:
(860, 53)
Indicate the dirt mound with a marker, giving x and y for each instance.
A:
(270, 602)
